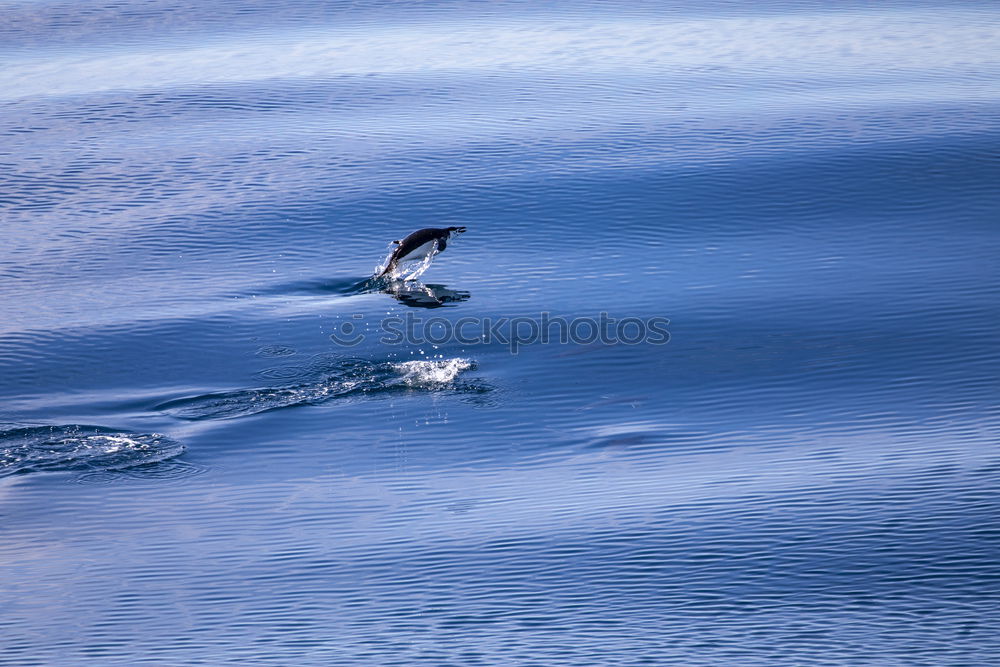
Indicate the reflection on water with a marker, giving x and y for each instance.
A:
(408, 292)
(420, 295)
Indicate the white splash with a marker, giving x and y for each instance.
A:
(407, 270)
(111, 444)
(432, 371)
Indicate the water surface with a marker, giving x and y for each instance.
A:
(192, 471)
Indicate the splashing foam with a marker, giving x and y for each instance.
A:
(426, 372)
(406, 270)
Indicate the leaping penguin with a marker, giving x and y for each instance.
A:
(420, 244)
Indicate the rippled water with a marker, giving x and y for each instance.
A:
(214, 451)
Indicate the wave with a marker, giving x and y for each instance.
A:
(80, 448)
(341, 379)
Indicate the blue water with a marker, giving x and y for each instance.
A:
(804, 471)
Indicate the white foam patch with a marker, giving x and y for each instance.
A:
(432, 371)
(110, 444)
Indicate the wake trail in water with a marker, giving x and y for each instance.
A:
(344, 378)
(79, 448)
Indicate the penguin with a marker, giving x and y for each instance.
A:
(418, 245)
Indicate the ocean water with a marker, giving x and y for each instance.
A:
(222, 443)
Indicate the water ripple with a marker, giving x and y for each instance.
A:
(159, 472)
